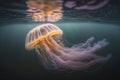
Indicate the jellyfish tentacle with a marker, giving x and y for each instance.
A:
(96, 61)
(65, 64)
(75, 65)
(48, 56)
(56, 47)
(58, 39)
(53, 42)
(38, 51)
(97, 46)
(53, 47)
(46, 49)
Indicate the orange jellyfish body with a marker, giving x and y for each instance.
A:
(39, 36)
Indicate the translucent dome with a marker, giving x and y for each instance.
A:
(39, 33)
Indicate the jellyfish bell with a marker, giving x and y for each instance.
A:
(37, 37)
(46, 39)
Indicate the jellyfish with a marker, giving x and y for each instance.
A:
(44, 10)
(46, 40)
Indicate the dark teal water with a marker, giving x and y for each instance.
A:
(18, 63)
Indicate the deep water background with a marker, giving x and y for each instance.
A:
(16, 63)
